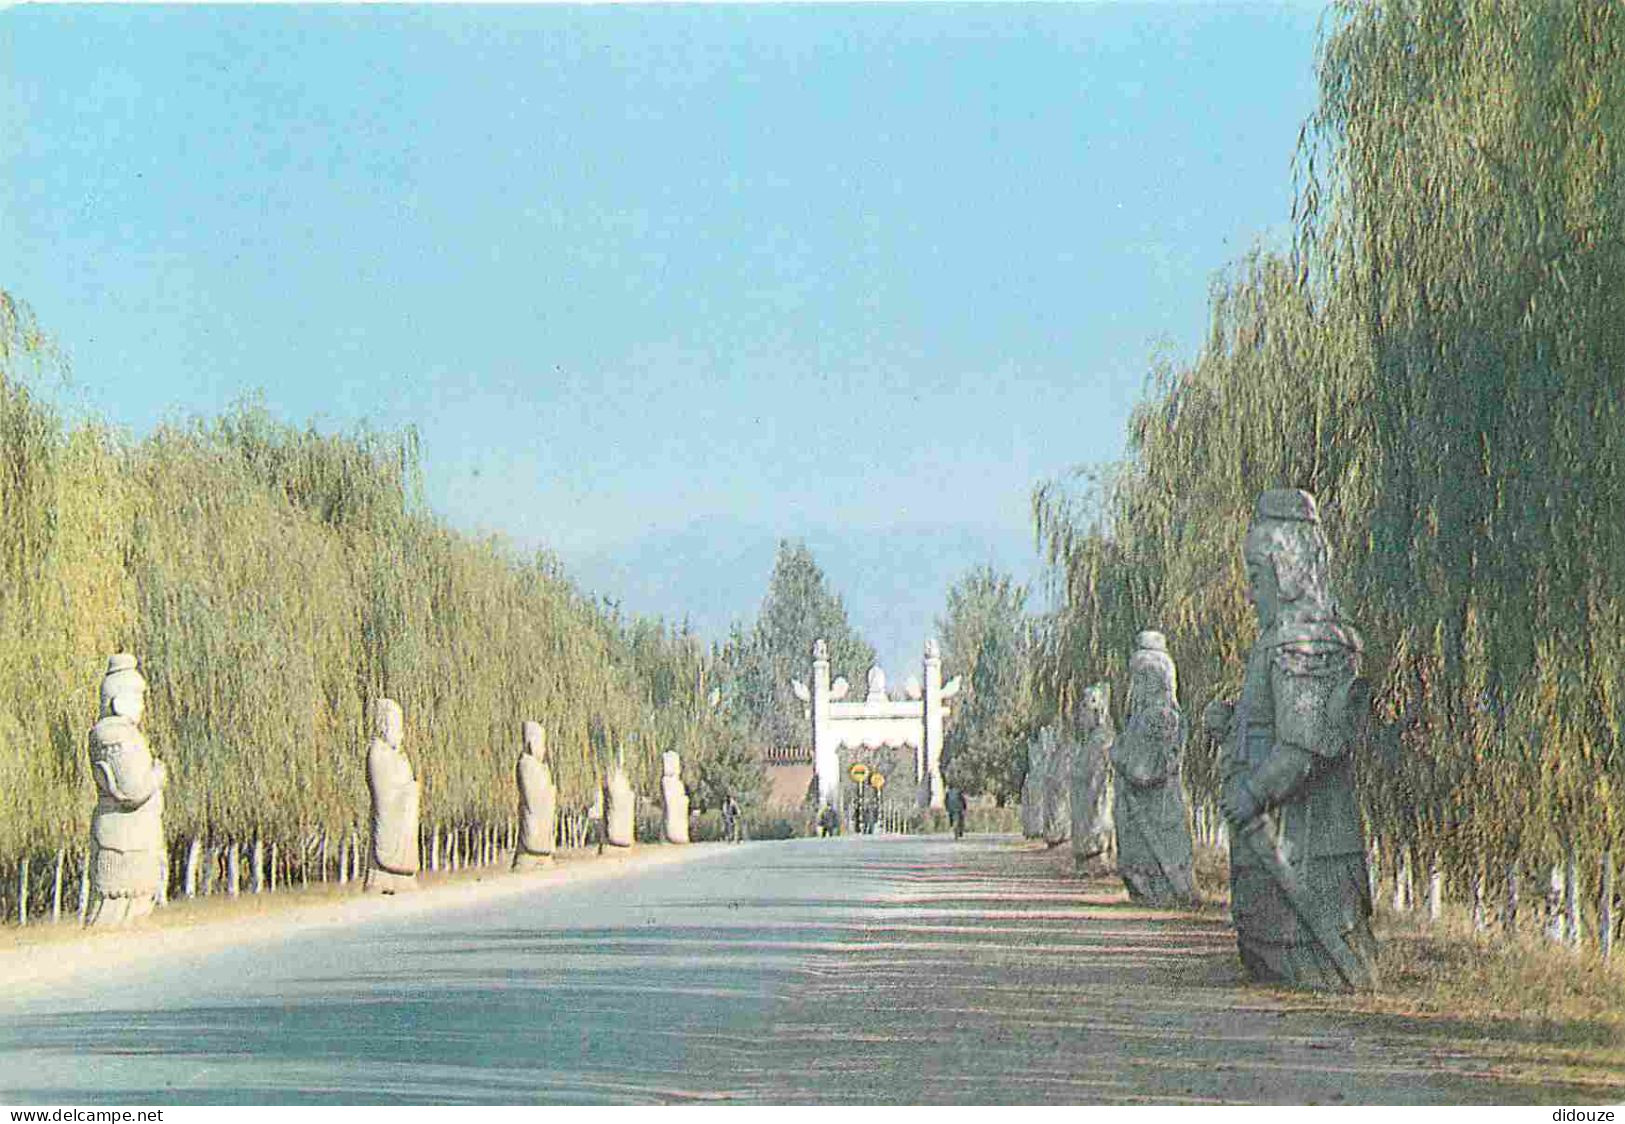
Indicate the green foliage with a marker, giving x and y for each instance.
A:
(1440, 361)
(987, 639)
(799, 608)
(273, 580)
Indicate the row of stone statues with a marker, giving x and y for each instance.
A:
(1299, 895)
(126, 827)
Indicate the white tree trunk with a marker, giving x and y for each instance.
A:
(271, 873)
(1605, 906)
(194, 855)
(1571, 899)
(1554, 904)
(434, 851)
(84, 887)
(56, 886)
(344, 862)
(257, 885)
(1481, 920)
(234, 869)
(22, 892)
(1435, 890)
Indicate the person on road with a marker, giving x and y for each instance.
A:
(956, 804)
(734, 819)
(829, 821)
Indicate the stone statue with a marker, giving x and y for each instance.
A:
(538, 801)
(395, 795)
(619, 823)
(1298, 888)
(1091, 765)
(126, 827)
(877, 685)
(1057, 786)
(1154, 854)
(674, 796)
(1032, 790)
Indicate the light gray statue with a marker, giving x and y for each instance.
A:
(1032, 790)
(1057, 785)
(126, 827)
(1091, 765)
(395, 796)
(1154, 854)
(538, 801)
(674, 797)
(620, 827)
(1299, 895)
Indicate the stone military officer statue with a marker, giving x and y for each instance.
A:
(1299, 895)
(674, 797)
(620, 824)
(1091, 761)
(126, 827)
(395, 795)
(1154, 854)
(1057, 785)
(538, 800)
(1034, 787)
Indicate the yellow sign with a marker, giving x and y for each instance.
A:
(877, 781)
(859, 772)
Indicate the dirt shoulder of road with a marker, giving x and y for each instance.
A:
(38, 956)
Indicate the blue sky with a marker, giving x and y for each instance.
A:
(650, 275)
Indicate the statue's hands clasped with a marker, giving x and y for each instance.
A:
(1238, 801)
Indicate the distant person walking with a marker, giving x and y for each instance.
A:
(955, 803)
(829, 821)
(733, 820)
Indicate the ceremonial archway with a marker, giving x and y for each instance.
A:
(878, 722)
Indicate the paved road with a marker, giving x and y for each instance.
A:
(869, 970)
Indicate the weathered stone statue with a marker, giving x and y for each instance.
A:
(1154, 854)
(1299, 895)
(538, 801)
(126, 828)
(1057, 785)
(395, 795)
(1091, 765)
(1032, 790)
(674, 796)
(620, 822)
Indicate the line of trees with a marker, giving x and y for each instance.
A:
(1440, 360)
(272, 580)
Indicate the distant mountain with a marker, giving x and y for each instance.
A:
(894, 580)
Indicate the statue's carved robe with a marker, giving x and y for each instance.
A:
(675, 798)
(395, 795)
(1057, 826)
(538, 809)
(1154, 855)
(621, 819)
(1091, 806)
(1032, 791)
(1292, 738)
(126, 828)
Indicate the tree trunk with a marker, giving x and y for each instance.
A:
(56, 886)
(1481, 919)
(1554, 904)
(1435, 890)
(258, 863)
(211, 869)
(234, 869)
(22, 891)
(434, 851)
(344, 862)
(271, 874)
(194, 855)
(84, 887)
(1373, 871)
(1605, 906)
(1402, 881)
(164, 871)
(1509, 910)
(1571, 898)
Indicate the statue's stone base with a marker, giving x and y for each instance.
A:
(381, 881)
(524, 860)
(118, 911)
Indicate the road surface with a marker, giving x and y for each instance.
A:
(916, 970)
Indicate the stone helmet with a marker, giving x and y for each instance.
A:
(670, 763)
(122, 685)
(1095, 705)
(533, 737)
(1287, 534)
(1152, 677)
(388, 721)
